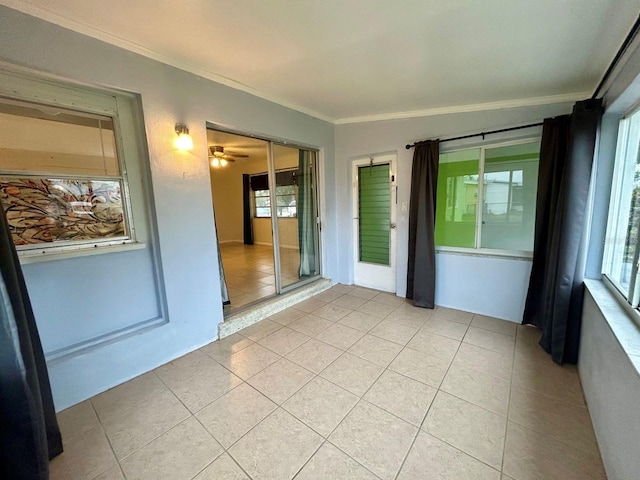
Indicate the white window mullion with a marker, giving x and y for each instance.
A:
(480, 200)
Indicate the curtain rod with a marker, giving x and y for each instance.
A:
(481, 134)
(623, 48)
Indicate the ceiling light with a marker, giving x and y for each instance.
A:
(184, 140)
(215, 162)
(223, 162)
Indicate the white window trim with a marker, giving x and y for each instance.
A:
(29, 89)
(479, 251)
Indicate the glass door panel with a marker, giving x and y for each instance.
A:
(295, 213)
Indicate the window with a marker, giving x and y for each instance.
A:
(621, 256)
(286, 192)
(61, 181)
(505, 219)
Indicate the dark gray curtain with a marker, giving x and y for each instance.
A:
(306, 214)
(29, 433)
(421, 266)
(246, 210)
(554, 298)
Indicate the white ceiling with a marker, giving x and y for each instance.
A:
(348, 60)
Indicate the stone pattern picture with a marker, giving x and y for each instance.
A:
(44, 210)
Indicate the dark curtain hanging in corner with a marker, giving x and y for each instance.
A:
(29, 432)
(246, 210)
(421, 266)
(554, 298)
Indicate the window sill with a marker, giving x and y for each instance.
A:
(37, 256)
(504, 254)
(623, 326)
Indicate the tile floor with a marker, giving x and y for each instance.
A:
(350, 384)
(249, 271)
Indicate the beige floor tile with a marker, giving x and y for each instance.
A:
(331, 312)
(497, 342)
(453, 315)
(249, 361)
(314, 355)
(114, 473)
(287, 316)
(340, 336)
(310, 305)
(310, 325)
(402, 396)
(376, 350)
(563, 421)
(546, 377)
(321, 405)
(260, 452)
(83, 458)
(184, 367)
(394, 332)
(362, 292)
(329, 463)
(328, 295)
(284, 340)
(352, 373)
(349, 301)
(376, 309)
(127, 395)
(375, 438)
(77, 420)
(235, 413)
(360, 321)
(222, 349)
(179, 454)
(431, 458)
(435, 345)
(486, 391)
(472, 429)
(200, 390)
(532, 456)
(260, 329)
(343, 289)
(280, 380)
(389, 299)
(446, 328)
(420, 366)
(138, 426)
(504, 327)
(222, 468)
(408, 316)
(484, 361)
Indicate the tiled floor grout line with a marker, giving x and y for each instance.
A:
(104, 432)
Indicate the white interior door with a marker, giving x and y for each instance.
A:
(374, 222)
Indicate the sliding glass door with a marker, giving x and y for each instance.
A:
(294, 210)
(265, 202)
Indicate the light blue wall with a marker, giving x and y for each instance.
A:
(490, 286)
(182, 197)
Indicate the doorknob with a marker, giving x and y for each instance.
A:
(392, 225)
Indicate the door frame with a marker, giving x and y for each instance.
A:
(375, 159)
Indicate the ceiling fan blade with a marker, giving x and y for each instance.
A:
(236, 155)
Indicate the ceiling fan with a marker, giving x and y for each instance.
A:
(219, 158)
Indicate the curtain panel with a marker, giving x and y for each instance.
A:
(421, 265)
(29, 432)
(555, 294)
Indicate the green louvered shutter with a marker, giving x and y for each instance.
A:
(374, 207)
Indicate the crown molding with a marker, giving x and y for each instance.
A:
(475, 107)
(90, 31)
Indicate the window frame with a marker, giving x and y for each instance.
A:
(631, 298)
(268, 196)
(478, 250)
(91, 103)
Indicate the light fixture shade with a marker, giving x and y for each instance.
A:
(184, 140)
(215, 162)
(223, 162)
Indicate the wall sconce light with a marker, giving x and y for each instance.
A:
(184, 140)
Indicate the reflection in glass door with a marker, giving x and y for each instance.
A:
(294, 214)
